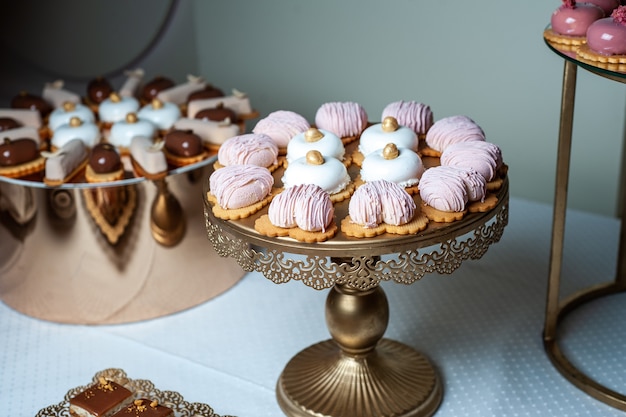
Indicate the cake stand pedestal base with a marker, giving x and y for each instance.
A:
(394, 380)
(358, 373)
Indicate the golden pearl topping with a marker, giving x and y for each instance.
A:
(157, 104)
(390, 151)
(390, 124)
(313, 135)
(314, 158)
(69, 106)
(131, 118)
(114, 97)
(75, 121)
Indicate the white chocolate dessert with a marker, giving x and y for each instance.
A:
(147, 157)
(62, 114)
(87, 132)
(238, 102)
(213, 134)
(178, 94)
(163, 115)
(401, 166)
(324, 141)
(25, 117)
(132, 82)
(326, 172)
(124, 131)
(115, 108)
(388, 131)
(21, 132)
(55, 94)
(65, 162)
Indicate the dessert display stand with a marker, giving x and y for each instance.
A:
(102, 253)
(557, 309)
(358, 372)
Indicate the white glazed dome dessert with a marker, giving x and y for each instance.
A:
(115, 108)
(87, 132)
(62, 115)
(162, 114)
(400, 166)
(328, 173)
(324, 141)
(124, 131)
(388, 131)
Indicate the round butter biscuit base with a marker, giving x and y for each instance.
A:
(92, 176)
(242, 212)
(484, 206)
(588, 54)
(440, 216)
(553, 37)
(181, 161)
(266, 228)
(22, 170)
(418, 223)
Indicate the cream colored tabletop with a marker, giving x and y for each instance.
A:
(481, 326)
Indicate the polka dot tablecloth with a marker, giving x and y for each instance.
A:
(481, 326)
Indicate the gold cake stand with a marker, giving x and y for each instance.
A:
(557, 309)
(358, 372)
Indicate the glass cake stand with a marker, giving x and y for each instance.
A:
(358, 372)
(556, 309)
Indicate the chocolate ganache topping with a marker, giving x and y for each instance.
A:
(218, 114)
(104, 159)
(99, 89)
(17, 151)
(25, 100)
(154, 87)
(183, 143)
(207, 92)
(8, 123)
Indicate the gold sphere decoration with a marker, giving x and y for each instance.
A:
(313, 135)
(314, 158)
(69, 106)
(115, 97)
(157, 104)
(75, 121)
(390, 151)
(390, 124)
(131, 118)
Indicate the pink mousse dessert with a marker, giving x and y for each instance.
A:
(573, 18)
(606, 5)
(412, 114)
(238, 186)
(608, 36)
(306, 206)
(344, 119)
(281, 126)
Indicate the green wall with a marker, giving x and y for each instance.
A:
(484, 59)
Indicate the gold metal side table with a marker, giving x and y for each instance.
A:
(358, 373)
(557, 309)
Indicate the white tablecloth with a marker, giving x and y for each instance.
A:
(481, 326)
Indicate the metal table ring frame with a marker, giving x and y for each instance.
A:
(556, 310)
